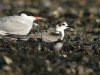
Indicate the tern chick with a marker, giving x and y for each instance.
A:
(54, 34)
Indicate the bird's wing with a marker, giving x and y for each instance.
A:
(12, 25)
(49, 37)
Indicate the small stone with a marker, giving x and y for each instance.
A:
(85, 59)
(64, 56)
(80, 70)
(58, 46)
(7, 68)
(8, 60)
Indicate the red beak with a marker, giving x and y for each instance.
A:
(37, 18)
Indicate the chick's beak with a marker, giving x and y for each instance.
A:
(38, 18)
(67, 27)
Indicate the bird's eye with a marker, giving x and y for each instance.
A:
(62, 24)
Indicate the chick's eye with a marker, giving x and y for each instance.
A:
(62, 24)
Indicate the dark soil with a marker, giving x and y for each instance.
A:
(80, 54)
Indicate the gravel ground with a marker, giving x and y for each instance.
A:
(80, 54)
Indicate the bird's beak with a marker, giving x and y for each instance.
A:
(67, 27)
(38, 18)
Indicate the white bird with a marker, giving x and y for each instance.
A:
(17, 24)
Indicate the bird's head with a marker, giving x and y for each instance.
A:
(29, 16)
(62, 27)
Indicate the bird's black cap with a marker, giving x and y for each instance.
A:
(26, 12)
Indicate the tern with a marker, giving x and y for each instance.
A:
(18, 24)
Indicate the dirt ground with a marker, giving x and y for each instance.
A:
(80, 54)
